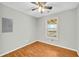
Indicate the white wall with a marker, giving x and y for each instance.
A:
(24, 30)
(67, 34)
(78, 27)
(0, 30)
(0, 17)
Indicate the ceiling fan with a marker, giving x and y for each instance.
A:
(41, 6)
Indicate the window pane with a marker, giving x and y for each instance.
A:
(52, 26)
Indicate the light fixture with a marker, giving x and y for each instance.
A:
(41, 7)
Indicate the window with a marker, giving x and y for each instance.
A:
(52, 28)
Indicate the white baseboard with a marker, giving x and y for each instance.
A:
(57, 45)
(60, 46)
(17, 48)
(39, 41)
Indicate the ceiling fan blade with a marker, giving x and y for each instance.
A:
(34, 3)
(44, 3)
(39, 3)
(48, 7)
(34, 9)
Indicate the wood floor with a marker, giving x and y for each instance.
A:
(39, 49)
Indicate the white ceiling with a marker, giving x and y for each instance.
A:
(26, 7)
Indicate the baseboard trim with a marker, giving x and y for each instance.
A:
(57, 45)
(60, 46)
(43, 42)
(17, 48)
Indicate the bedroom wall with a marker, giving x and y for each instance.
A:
(0, 30)
(0, 19)
(24, 30)
(66, 29)
(78, 27)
